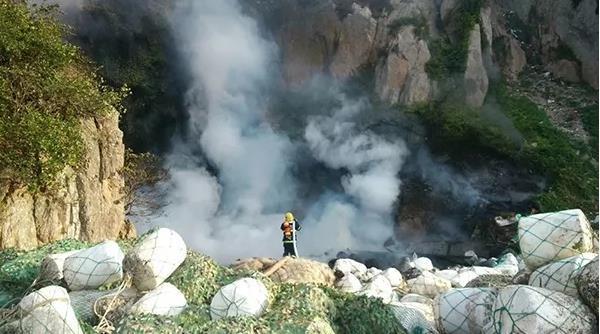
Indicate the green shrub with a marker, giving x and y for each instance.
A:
(573, 178)
(360, 314)
(589, 117)
(547, 150)
(46, 87)
(199, 278)
(449, 58)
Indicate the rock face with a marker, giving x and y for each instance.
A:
(401, 77)
(476, 80)
(307, 42)
(356, 38)
(87, 203)
(570, 25)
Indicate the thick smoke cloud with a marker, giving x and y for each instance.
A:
(371, 184)
(230, 204)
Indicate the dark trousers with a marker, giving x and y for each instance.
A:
(288, 249)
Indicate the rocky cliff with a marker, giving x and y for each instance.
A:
(84, 204)
(394, 39)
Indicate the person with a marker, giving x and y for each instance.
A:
(289, 227)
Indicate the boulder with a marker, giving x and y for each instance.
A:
(371, 272)
(414, 298)
(528, 309)
(561, 275)
(378, 287)
(414, 317)
(350, 266)
(548, 237)
(48, 310)
(457, 278)
(244, 297)
(300, 270)
(587, 284)
(165, 300)
(152, 260)
(466, 310)
(479, 270)
(394, 277)
(423, 264)
(508, 264)
(476, 79)
(52, 266)
(427, 284)
(94, 266)
(349, 283)
(522, 277)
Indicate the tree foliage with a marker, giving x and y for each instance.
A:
(46, 87)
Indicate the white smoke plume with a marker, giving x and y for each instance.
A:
(227, 215)
(371, 185)
(232, 207)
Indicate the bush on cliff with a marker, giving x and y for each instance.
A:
(46, 87)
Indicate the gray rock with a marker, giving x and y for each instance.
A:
(400, 77)
(354, 46)
(476, 79)
(587, 284)
(567, 70)
(562, 24)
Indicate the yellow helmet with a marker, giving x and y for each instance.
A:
(289, 217)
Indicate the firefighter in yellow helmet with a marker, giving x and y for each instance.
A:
(289, 227)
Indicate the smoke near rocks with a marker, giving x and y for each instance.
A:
(371, 183)
(230, 201)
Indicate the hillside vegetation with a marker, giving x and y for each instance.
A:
(46, 87)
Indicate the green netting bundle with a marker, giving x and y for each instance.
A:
(18, 269)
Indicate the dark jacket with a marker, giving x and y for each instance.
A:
(287, 230)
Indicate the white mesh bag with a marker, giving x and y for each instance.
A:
(560, 275)
(379, 287)
(155, 258)
(94, 266)
(553, 236)
(48, 310)
(244, 297)
(465, 310)
(52, 266)
(165, 300)
(528, 309)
